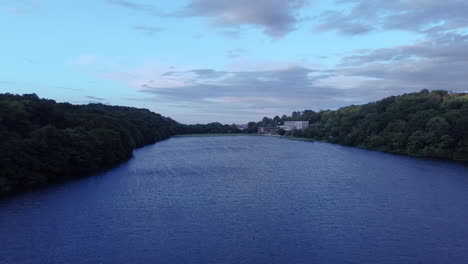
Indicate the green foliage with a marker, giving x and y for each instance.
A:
(428, 124)
(43, 141)
(252, 127)
(281, 132)
(211, 128)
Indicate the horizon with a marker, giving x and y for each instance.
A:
(239, 123)
(202, 61)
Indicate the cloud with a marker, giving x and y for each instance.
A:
(95, 98)
(150, 31)
(22, 7)
(232, 34)
(127, 4)
(248, 90)
(335, 20)
(251, 94)
(208, 74)
(276, 17)
(447, 47)
(274, 88)
(413, 15)
(234, 53)
(435, 63)
(150, 9)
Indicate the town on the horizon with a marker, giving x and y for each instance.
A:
(279, 128)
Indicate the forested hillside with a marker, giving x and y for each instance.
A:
(211, 128)
(43, 141)
(428, 124)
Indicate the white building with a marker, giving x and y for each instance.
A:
(294, 125)
(242, 126)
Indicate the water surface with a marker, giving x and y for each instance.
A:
(246, 200)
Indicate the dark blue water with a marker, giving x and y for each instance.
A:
(246, 200)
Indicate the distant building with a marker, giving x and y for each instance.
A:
(267, 130)
(242, 126)
(294, 125)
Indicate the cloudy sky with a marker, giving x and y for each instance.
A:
(232, 61)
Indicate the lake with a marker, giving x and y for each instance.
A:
(246, 199)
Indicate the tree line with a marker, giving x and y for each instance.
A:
(210, 128)
(43, 141)
(426, 124)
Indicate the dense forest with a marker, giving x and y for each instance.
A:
(43, 141)
(426, 124)
(211, 128)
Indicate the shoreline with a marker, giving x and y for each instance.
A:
(216, 135)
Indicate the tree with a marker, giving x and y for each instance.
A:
(252, 127)
(43, 141)
(281, 132)
(430, 124)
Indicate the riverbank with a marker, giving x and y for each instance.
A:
(299, 138)
(216, 135)
(241, 134)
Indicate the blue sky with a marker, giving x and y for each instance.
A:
(231, 61)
